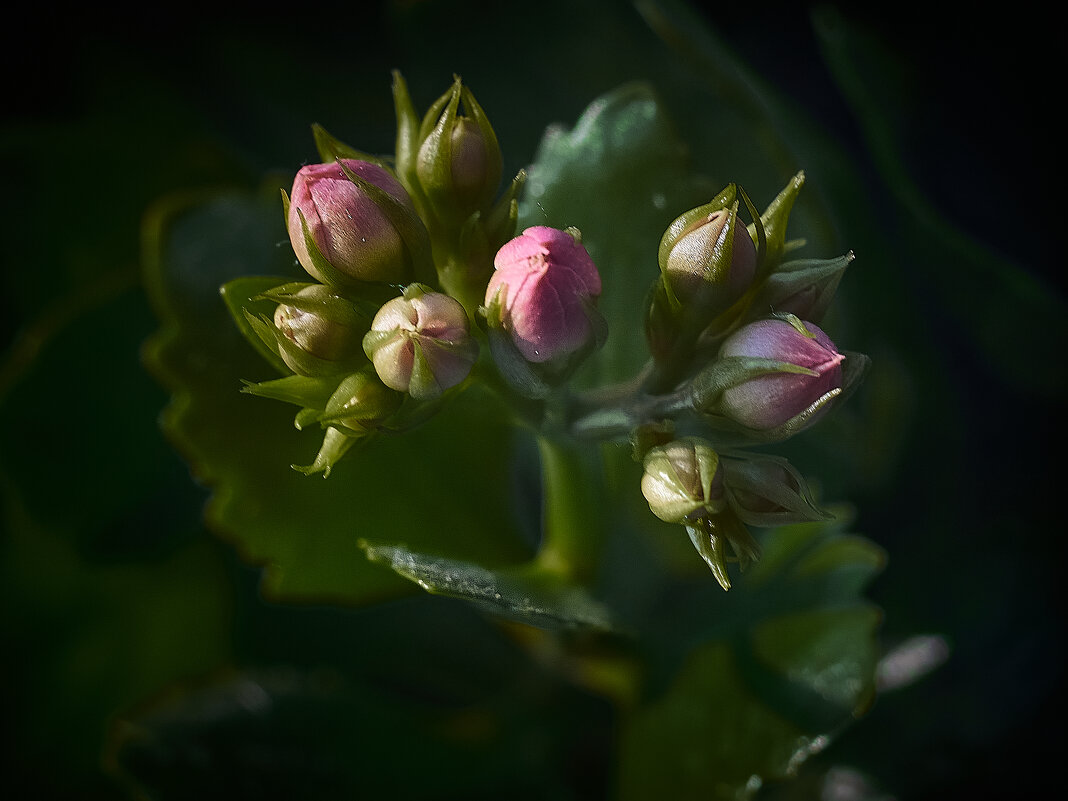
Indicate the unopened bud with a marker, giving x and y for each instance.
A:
(320, 332)
(361, 403)
(459, 162)
(707, 258)
(811, 374)
(802, 288)
(546, 286)
(766, 490)
(421, 343)
(683, 481)
(354, 228)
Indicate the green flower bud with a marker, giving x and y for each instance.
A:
(361, 403)
(421, 343)
(459, 162)
(319, 332)
(804, 288)
(707, 258)
(767, 491)
(683, 481)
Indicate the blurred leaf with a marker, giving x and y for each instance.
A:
(770, 671)
(99, 636)
(453, 470)
(287, 733)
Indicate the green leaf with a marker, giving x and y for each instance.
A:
(526, 594)
(454, 470)
(781, 664)
(239, 296)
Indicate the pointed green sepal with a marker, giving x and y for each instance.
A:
(775, 218)
(298, 389)
(331, 149)
(307, 417)
(407, 143)
(762, 264)
(336, 444)
(500, 222)
(721, 539)
(323, 300)
(766, 490)
(710, 383)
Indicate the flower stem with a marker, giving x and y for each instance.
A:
(572, 528)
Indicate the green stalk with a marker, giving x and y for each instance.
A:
(573, 512)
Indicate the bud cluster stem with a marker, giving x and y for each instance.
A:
(614, 415)
(572, 529)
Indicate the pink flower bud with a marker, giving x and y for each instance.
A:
(352, 232)
(547, 285)
(770, 400)
(421, 343)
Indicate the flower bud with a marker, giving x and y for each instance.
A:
(804, 288)
(459, 162)
(361, 403)
(810, 376)
(320, 332)
(708, 261)
(353, 225)
(767, 491)
(683, 481)
(546, 286)
(421, 343)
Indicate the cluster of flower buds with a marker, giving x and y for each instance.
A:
(421, 287)
(732, 330)
(414, 266)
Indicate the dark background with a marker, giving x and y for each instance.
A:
(102, 116)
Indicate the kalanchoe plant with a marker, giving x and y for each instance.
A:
(427, 290)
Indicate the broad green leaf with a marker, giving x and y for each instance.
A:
(768, 673)
(442, 488)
